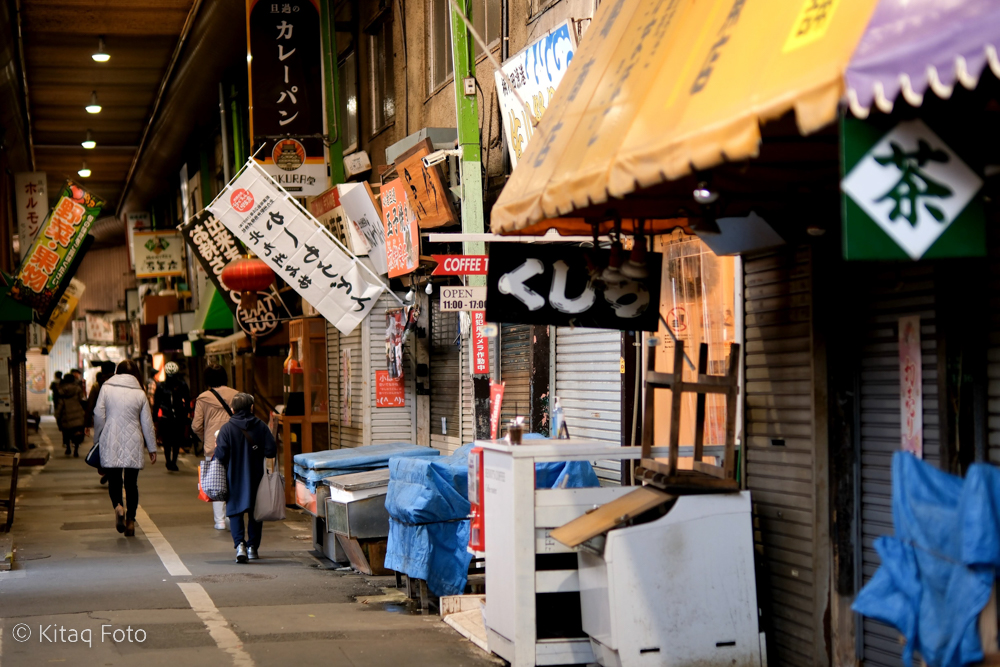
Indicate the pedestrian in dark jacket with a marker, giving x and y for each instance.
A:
(172, 412)
(241, 446)
(71, 414)
(54, 388)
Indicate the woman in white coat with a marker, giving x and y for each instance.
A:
(123, 423)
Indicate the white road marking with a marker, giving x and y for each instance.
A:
(217, 626)
(175, 566)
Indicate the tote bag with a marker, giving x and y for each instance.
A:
(213, 480)
(270, 504)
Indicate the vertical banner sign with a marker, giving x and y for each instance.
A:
(139, 221)
(214, 247)
(63, 311)
(290, 241)
(389, 392)
(395, 324)
(346, 403)
(31, 197)
(480, 344)
(535, 73)
(286, 92)
(496, 402)
(50, 260)
(911, 386)
(158, 254)
(365, 221)
(402, 238)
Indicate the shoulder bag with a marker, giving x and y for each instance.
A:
(269, 504)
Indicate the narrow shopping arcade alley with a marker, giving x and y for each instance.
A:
(178, 583)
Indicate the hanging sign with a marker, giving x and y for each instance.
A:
(535, 73)
(365, 220)
(402, 237)
(911, 400)
(389, 392)
(290, 241)
(395, 326)
(158, 254)
(534, 284)
(31, 198)
(286, 92)
(425, 189)
(63, 311)
(214, 246)
(496, 402)
(460, 265)
(454, 299)
(99, 329)
(50, 261)
(327, 210)
(908, 194)
(480, 344)
(346, 403)
(138, 221)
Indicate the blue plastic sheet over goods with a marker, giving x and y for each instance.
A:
(314, 467)
(938, 569)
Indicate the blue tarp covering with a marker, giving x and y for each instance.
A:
(428, 505)
(938, 569)
(315, 467)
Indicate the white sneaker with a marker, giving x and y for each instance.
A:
(220, 525)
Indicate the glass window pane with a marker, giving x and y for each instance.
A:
(492, 22)
(388, 75)
(479, 22)
(383, 97)
(439, 42)
(347, 72)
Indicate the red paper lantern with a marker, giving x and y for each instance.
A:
(247, 275)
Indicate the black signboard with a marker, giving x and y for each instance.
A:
(215, 246)
(537, 284)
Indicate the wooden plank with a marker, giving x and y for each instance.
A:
(469, 624)
(453, 604)
(355, 554)
(608, 516)
(359, 480)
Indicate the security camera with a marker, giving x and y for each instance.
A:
(439, 156)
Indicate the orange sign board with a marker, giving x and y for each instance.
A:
(389, 393)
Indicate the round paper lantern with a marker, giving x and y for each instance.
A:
(247, 275)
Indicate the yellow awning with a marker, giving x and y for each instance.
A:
(659, 88)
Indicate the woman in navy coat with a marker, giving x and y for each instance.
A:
(241, 446)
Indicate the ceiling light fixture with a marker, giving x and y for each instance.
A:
(94, 106)
(89, 142)
(102, 55)
(84, 171)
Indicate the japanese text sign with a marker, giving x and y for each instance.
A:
(461, 265)
(286, 87)
(389, 392)
(402, 237)
(365, 220)
(50, 260)
(908, 194)
(214, 247)
(480, 344)
(911, 399)
(425, 189)
(535, 284)
(31, 197)
(496, 403)
(63, 311)
(158, 254)
(535, 73)
(289, 240)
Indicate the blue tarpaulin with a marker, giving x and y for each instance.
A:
(428, 505)
(314, 467)
(938, 569)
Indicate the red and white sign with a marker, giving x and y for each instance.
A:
(480, 344)
(241, 200)
(389, 393)
(402, 237)
(496, 402)
(911, 386)
(460, 265)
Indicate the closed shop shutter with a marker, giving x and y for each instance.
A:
(993, 367)
(63, 355)
(333, 383)
(891, 293)
(468, 433)
(515, 371)
(388, 424)
(445, 375)
(588, 385)
(352, 389)
(781, 452)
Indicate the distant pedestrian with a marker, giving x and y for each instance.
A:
(71, 414)
(54, 389)
(107, 372)
(212, 409)
(123, 424)
(241, 446)
(172, 411)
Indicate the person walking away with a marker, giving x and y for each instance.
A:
(54, 390)
(106, 372)
(172, 410)
(123, 423)
(212, 409)
(70, 415)
(241, 446)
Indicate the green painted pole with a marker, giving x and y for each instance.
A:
(331, 82)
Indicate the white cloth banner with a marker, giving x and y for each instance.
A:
(289, 240)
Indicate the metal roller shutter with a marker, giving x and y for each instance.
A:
(892, 293)
(781, 451)
(445, 375)
(388, 424)
(352, 435)
(515, 371)
(468, 433)
(588, 385)
(333, 383)
(993, 367)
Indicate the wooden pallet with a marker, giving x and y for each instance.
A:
(703, 477)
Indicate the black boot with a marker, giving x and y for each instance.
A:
(76, 452)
